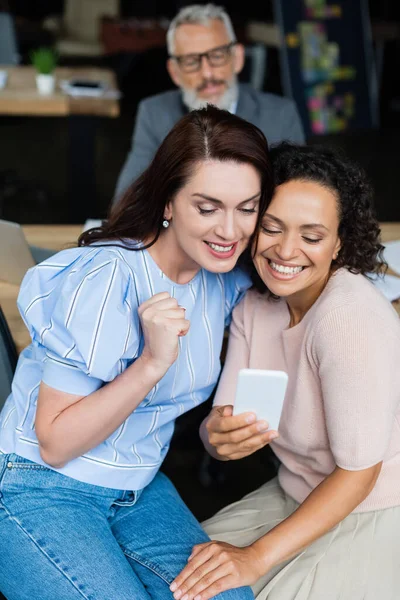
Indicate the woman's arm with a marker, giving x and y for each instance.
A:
(327, 505)
(68, 425)
(216, 566)
(228, 437)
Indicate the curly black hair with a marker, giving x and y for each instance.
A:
(359, 232)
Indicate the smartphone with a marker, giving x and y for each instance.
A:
(85, 83)
(262, 392)
(83, 87)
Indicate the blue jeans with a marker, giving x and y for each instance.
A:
(61, 538)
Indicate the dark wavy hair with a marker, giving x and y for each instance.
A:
(201, 135)
(359, 232)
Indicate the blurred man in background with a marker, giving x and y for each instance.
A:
(204, 62)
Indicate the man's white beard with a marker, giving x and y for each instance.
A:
(226, 101)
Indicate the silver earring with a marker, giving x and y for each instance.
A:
(165, 223)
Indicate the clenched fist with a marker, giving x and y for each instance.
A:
(163, 322)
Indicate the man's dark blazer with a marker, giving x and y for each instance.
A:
(275, 115)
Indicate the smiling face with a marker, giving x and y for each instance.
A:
(298, 241)
(214, 85)
(212, 217)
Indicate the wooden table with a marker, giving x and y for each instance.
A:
(20, 97)
(62, 236)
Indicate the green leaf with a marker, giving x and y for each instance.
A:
(44, 60)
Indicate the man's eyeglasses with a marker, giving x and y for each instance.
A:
(216, 57)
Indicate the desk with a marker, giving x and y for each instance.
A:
(61, 236)
(20, 97)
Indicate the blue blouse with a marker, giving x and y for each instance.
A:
(80, 307)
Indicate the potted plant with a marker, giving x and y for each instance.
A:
(44, 60)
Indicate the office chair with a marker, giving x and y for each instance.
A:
(8, 41)
(78, 30)
(256, 64)
(8, 359)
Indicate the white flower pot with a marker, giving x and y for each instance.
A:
(45, 83)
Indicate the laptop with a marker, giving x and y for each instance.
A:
(16, 255)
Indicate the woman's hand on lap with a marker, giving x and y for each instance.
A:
(235, 437)
(215, 567)
(163, 322)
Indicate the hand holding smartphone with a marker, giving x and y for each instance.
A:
(262, 392)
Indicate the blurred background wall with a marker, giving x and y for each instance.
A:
(140, 71)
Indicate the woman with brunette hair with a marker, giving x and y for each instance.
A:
(126, 336)
(327, 526)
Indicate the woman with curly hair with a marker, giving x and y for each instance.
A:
(327, 526)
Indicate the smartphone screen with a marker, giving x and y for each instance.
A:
(262, 392)
(94, 85)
